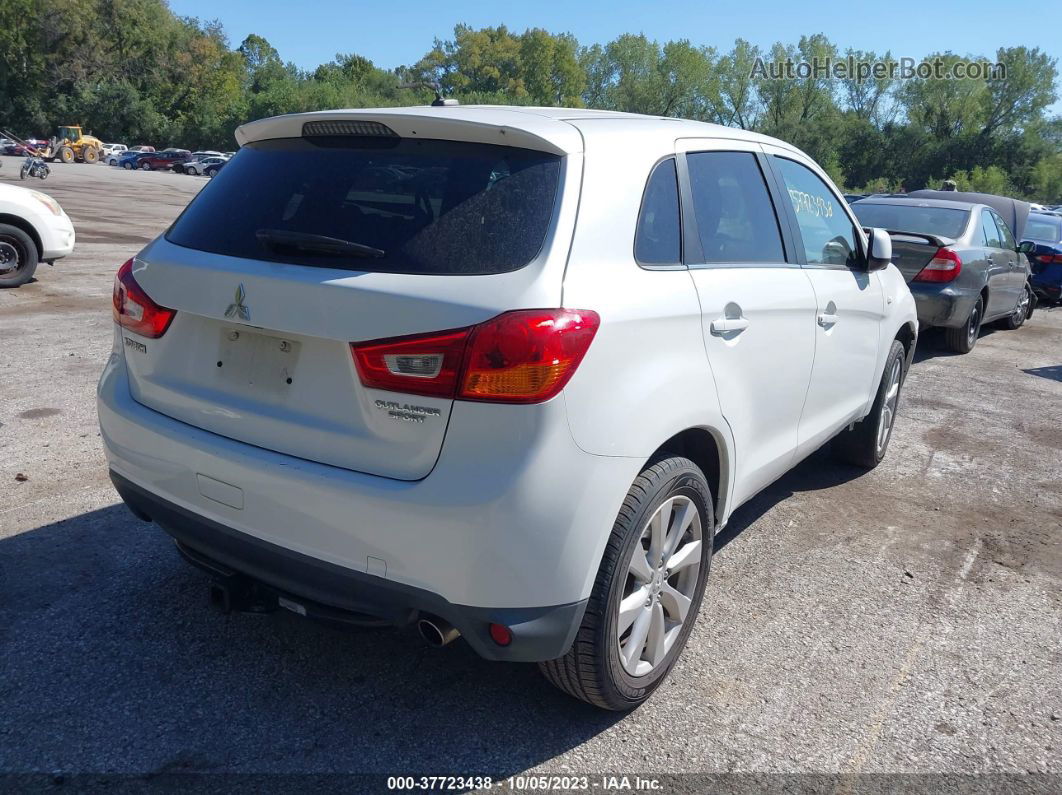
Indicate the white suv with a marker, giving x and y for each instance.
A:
(503, 372)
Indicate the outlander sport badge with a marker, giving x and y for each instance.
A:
(237, 310)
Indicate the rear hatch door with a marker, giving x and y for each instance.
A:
(433, 235)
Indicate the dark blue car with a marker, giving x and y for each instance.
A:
(130, 160)
(1045, 232)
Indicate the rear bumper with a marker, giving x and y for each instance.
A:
(1048, 292)
(943, 305)
(509, 526)
(1047, 284)
(542, 633)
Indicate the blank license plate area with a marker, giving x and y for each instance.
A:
(265, 362)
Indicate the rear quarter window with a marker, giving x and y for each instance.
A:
(657, 239)
(420, 206)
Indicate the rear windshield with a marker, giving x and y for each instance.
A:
(940, 221)
(1040, 227)
(372, 204)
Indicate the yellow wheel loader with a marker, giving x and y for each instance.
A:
(72, 145)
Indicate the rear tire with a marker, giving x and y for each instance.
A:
(865, 444)
(1021, 312)
(90, 155)
(18, 256)
(963, 339)
(649, 578)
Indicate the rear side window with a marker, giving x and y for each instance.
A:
(736, 221)
(372, 204)
(658, 238)
(991, 231)
(1005, 235)
(828, 235)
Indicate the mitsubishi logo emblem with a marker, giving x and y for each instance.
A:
(237, 310)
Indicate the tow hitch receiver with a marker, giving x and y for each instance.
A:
(237, 594)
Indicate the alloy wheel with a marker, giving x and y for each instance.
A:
(661, 581)
(888, 405)
(1021, 311)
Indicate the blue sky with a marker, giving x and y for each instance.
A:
(394, 33)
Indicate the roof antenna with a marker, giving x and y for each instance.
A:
(440, 101)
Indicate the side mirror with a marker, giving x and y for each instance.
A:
(879, 253)
(1026, 247)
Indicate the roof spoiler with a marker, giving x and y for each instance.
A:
(498, 126)
(918, 237)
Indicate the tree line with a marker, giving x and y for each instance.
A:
(132, 71)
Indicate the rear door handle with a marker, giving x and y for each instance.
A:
(826, 319)
(725, 325)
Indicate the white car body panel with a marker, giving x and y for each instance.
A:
(496, 505)
(444, 527)
(54, 233)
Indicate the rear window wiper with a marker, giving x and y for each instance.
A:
(315, 244)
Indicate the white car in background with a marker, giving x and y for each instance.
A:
(112, 152)
(208, 166)
(183, 168)
(499, 372)
(33, 229)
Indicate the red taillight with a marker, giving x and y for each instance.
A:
(1047, 259)
(426, 364)
(525, 356)
(944, 267)
(134, 309)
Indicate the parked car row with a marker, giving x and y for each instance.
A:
(12, 148)
(17, 149)
(142, 157)
(205, 163)
(959, 255)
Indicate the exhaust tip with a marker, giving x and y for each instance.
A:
(436, 632)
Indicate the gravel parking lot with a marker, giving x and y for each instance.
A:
(905, 620)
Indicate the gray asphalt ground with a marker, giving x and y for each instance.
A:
(904, 620)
